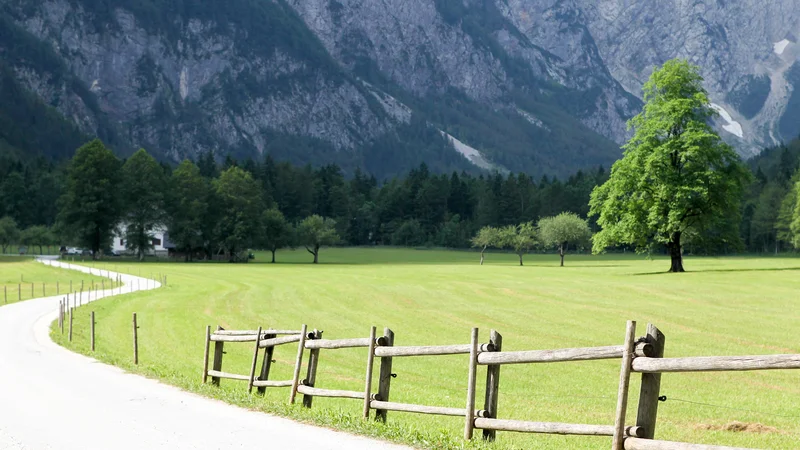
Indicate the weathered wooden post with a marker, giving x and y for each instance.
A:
(205, 354)
(135, 341)
(92, 331)
(255, 361)
(63, 310)
(311, 372)
(370, 363)
(385, 375)
(469, 423)
(298, 363)
(492, 385)
(266, 364)
(70, 325)
(219, 347)
(624, 382)
(651, 386)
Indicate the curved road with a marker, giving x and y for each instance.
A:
(51, 398)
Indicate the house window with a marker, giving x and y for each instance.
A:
(156, 241)
(122, 242)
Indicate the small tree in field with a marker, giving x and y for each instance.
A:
(277, 231)
(37, 235)
(676, 176)
(562, 230)
(316, 231)
(487, 237)
(520, 238)
(9, 232)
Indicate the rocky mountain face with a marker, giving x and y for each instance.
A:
(542, 86)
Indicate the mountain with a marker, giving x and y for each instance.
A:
(541, 86)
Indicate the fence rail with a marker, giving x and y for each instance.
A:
(643, 355)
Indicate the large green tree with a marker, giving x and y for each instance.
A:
(562, 230)
(9, 233)
(144, 186)
(486, 237)
(316, 231)
(277, 232)
(520, 238)
(241, 204)
(676, 174)
(188, 203)
(91, 207)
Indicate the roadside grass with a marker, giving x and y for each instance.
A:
(21, 278)
(723, 306)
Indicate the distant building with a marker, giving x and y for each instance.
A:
(161, 243)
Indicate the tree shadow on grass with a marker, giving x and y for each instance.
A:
(782, 269)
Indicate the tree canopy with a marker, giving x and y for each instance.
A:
(90, 207)
(277, 232)
(520, 238)
(676, 174)
(562, 230)
(487, 237)
(144, 187)
(9, 232)
(316, 231)
(240, 201)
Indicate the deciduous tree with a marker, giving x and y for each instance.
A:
(676, 173)
(144, 187)
(9, 233)
(241, 204)
(277, 232)
(562, 230)
(316, 231)
(486, 237)
(91, 206)
(189, 200)
(520, 238)
(37, 235)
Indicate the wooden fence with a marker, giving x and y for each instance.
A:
(643, 355)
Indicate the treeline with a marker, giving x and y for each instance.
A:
(212, 207)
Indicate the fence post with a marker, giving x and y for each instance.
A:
(135, 341)
(219, 347)
(266, 364)
(311, 372)
(624, 383)
(297, 363)
(92, 331)
(70, 325)
(60, 312)
(70, 285)
(370, 363)
(63, 311)
(651, 386)
(385, 376)
(255, 360)
(469, 423)
(492, 385)
(205, 358)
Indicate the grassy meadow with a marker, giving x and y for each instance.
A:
(19, 274)
(730, 306)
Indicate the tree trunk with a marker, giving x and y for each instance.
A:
(273, 256)
(40, 250)
(675, 253)
(520, 259)
(484, 249)
(561, 253)
(316, 255)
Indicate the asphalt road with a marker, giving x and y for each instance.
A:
(51, 398)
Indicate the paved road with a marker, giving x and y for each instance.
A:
(51, 398)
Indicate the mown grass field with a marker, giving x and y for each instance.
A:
(21, 278)
(731, 306)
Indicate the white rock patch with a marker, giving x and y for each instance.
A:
(184, 84)
(780, 46)
(732, 126)
(472, 154)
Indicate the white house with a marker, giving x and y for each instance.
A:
(161, 243)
